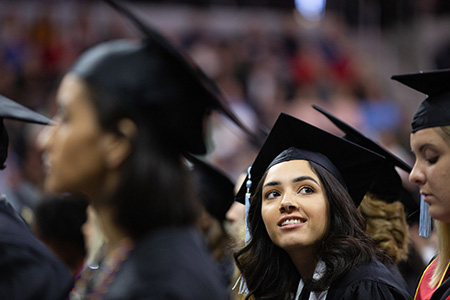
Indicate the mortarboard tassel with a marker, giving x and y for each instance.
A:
(248, 184)
(424, 219)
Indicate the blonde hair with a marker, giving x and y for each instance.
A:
(386, 225)
(442, 230)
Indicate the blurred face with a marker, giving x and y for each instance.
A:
(294, 207)
(73, 148)
(235, 222)
(431, 171)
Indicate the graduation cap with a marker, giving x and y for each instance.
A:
(435, 109)
(387, 184)
(215, 188)
(10, 109)
(152, 76)
(354, 166)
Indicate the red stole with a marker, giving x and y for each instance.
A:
(424, 291)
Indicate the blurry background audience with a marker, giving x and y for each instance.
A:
(264, 55)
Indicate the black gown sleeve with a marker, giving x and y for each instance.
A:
(368, 289)
(370, 281)
(28, 270)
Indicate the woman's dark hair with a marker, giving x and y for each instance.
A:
(154, 189)
(58, 222)
(268, 270)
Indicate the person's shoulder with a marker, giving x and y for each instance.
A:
(168, 262)
(373, 279)
(172, 253)
(373, 270)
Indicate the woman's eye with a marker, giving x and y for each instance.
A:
(306, 190)
(432, 160)
(271, 195)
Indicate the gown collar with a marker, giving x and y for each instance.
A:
(318, 273)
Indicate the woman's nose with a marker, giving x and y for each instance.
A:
(44, 136)
(235, 212)
(287, 204)
(417, 176)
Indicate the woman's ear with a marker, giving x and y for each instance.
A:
(118, 146)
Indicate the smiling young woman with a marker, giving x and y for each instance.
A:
(307, 237)
(294, 209)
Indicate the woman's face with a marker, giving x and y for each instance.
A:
(431, 171)
(74, 149)
(294, 206)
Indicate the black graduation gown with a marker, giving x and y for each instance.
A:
(443, 292)
(169, 264)
(28, 270)
(370, 281)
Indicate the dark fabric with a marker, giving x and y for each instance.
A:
(169, 264)
(304, 295)
(387, 184)
(443, 292)
(28, 270)
(370, 281)
(434, 110)
(10, 109)
(353, 135)
(293, 153)
(215, 189)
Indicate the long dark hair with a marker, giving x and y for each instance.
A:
(268, 269)
(154, 189)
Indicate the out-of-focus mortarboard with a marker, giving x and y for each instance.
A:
(214, 187)
(387, 184)
(10, 109)
(435, 109)
(354, 166)
(152, 76)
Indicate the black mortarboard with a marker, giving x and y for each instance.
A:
(387, 184)
(435, 109)
(215, 188)
(152, 74)
(10, 109)
(15, 111)
(354, 166)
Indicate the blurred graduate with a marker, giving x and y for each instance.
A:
(128, 112)
(28, 270)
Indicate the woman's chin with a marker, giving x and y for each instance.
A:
(52, 187)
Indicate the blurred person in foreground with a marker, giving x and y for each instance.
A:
(128, 113)
(28, 269)
(216, 192)
(58, 223)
